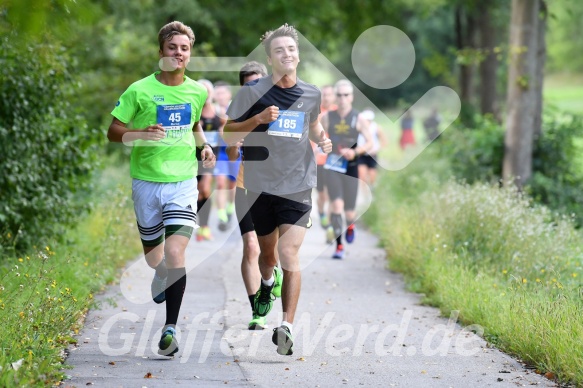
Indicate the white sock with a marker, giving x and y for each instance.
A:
(269, 282)
(289, 325)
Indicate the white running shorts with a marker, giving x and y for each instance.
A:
(160, 204)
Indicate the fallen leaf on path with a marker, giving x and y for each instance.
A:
(148, 375)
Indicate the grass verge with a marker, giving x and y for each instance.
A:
(505, 264)
(45, 294)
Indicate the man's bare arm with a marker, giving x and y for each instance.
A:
(236, 131)
(118, 132)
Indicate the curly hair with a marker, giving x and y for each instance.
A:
(285, 30)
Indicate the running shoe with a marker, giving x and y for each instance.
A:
(278, 276)
(330, 235)
(324, 221)
(284, 340)
(263, 300)
(350, 233)
(158, 288)
(339, 254)
(223, 220)
(168, 345)
(230, 211)
(257, 323)
(206, 233)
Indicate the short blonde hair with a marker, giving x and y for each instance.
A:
(344, 82)
(175, 28)
(285, 30)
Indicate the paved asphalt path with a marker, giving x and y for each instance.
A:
(356, 325)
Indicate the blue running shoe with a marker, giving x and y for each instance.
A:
(339, 254)
(350, 234)
(168, 345)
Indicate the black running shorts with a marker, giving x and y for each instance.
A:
(242, 210)
(344, 186)
(270, 211)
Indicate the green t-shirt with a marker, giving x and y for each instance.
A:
(148, 102)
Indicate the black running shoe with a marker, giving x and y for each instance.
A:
(283, 339)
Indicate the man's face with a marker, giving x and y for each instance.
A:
(222, 95)
(344, 96)
(285, 56)
(328, 96)
(176, 53)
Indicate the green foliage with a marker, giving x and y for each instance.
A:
(564, 25)
(508, 266)
(557, 168)
(48, 151)
(475, 154)
(45, 292)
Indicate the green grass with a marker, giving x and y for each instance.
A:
(45, 293)
(512, 267)
(565, 91)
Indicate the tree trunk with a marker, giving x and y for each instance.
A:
(540, 67)
(465, 30)
(489, 65)
(522, 90)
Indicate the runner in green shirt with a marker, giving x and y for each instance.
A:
(165, 110)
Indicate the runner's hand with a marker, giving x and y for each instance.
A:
(268, 115)
(325, 144)
(208, 157)
(154, 132)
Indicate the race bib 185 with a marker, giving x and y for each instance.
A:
(289, 123)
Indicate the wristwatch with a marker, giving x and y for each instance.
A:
(206, 144)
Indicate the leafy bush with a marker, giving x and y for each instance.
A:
(476, 155)
(45, 292)
(48, 151)
(557, 166)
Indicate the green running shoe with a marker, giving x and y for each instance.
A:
(257, 323)
(284, 340)
(330, 236)
(168, 345)
(278, 281)
(263, 300)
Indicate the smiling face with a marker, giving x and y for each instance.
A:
(175, 53)
(284, 56)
